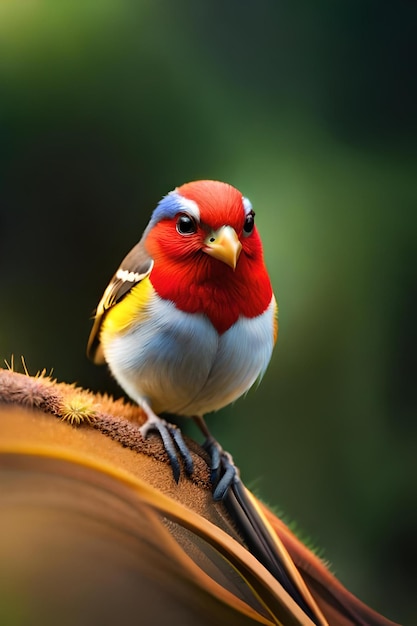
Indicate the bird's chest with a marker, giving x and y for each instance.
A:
(180, 362)
(210, 298)
(222, 296)
(213, 301)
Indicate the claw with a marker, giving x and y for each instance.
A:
(214, 451)
(227, 480)
(230, 475)
(182, 447)
(171, 436)
(224, 472)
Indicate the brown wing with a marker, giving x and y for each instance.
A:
(134, 268)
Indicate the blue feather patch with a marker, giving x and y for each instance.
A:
(171, 205)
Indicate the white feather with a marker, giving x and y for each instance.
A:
(178, 363)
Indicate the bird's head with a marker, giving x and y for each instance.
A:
(206, 223)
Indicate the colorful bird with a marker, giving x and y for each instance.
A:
(189, 321)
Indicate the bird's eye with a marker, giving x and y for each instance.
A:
(186, 225)
(249, 223)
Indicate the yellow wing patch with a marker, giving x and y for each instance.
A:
(132, 309)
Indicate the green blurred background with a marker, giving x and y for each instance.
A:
(309, 108)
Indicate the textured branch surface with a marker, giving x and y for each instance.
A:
(94, 530)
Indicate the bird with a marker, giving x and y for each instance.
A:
(188, 322)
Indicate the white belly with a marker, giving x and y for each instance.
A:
(178, 363)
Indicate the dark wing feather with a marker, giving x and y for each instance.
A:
(134, 268)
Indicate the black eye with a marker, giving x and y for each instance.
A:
(186, 225)
(249, 223)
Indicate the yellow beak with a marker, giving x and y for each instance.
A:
(224, 245)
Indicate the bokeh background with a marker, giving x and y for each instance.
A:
(309, 108)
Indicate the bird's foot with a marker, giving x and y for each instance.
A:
(224, 472)
(171, 438)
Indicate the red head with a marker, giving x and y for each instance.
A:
(208, 253)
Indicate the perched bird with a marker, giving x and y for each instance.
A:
(188, 322)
